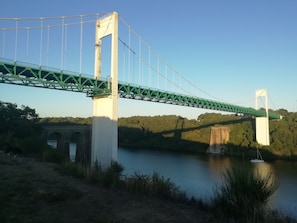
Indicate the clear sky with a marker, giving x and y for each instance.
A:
(227, 48)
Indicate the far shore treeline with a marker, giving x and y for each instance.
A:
(179, 134)
(21, 125)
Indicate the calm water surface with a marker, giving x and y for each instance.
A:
(197, 175)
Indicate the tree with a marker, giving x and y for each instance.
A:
(18, 122)
(19, 126)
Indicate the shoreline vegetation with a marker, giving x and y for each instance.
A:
(173, 133)
(34, 190)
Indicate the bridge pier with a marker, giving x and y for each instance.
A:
(66, 134)
(262, 123)
(219, 136)
(105, 108)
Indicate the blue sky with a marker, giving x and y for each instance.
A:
(227, 48)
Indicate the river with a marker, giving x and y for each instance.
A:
(197, 175)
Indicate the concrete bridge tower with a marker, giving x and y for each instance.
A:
(262, 123)
(105, 108)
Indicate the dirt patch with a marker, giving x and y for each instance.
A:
(33, 191)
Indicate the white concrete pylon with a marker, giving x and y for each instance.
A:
(105, 108)
(262, 123)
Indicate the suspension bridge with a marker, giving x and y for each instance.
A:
(58, 53)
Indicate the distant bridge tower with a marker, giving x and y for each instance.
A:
(262, 123)
(105, 108)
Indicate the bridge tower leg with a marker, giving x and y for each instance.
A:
(262, 123)
(105, 108)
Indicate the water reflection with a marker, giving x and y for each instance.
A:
(197, 175)
(217, 164)
(72, 151)
(262, 168)
(286, 196)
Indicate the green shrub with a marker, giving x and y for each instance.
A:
(154, 185)
(75, 169)
(33, 144)
(107, 178)
(243, 193)
(162, 186)
(137, 183)
(52, 155)
(111, 176)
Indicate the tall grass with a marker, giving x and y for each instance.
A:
(243, 193)
(153, 185)
(53, 156)
(112, 177)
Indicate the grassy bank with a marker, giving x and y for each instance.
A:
(242, 196)
(34, 191)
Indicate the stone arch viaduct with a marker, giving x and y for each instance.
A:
(66, 134)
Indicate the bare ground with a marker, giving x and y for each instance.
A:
(34, 191)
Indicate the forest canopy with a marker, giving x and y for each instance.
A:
(19, 128)
(180, 131)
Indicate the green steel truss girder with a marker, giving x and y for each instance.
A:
(32, 75)
(154, 95)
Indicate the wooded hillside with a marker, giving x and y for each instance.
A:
(21, 126)
(176, 133)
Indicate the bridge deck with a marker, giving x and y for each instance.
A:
(19, 73)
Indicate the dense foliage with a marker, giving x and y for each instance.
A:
(18, 122)
(284, 134)
(176, 133)
(170, 132)
(19, 130)
(65, 121)
(161, 132)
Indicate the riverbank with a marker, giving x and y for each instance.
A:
(33, 191)
(233, 151)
